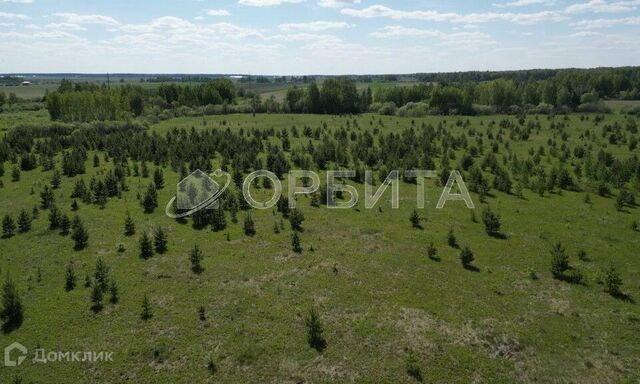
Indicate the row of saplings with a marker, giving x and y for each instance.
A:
(492, 225)
(560, 266)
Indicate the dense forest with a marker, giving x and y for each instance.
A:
(467, 93)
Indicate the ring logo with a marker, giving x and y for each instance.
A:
(198, 191)
(8, 361)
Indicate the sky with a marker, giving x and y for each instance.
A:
(297, 37)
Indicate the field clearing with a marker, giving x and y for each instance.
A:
(377, 292)
(618, 105)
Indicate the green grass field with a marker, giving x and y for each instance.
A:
(379, 297)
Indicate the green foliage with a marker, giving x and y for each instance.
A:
(249, 226)
(466, 256)
(196, 257)
(129, 225)
(491, 221)
(145, 246)
(24, 221)
(412, 366)
(11, 312)
(315, 331)
(79, 234)
(559, 260)
(70, 277)
(296, 245)
(296, 217)
(8, 226)
(612, 281)
(146, 314)
(415, 219)
(160, 240)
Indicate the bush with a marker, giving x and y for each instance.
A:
(466, 257)
(314, 331)
(11, 312)
(559, 260)
(612, 281)
(413, 110)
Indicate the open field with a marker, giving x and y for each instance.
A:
(380, 298)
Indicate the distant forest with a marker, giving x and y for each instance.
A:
(465, 93)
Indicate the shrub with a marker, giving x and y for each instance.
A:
(491, 221)
(249, 226)
(466, 256)
(70, 277)
(415, 219)
(314, 331)
(160, 241)
(146, 309)
(11, 313)
(612, 281)
(195, 257)
(296, 246)
(146, 246)
(559, 260)
(412, 366)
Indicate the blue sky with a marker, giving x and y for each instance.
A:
(315, 36)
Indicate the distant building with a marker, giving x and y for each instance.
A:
(26, 83)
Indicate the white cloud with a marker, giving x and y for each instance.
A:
(314, 26)
(74, 18)
(460, 39)
(65, 27)
(218, 12)
(5, 15)
(602, 6)
(585, 34)
(17, 1)
(391, 31)
(267, 3)
(518, 18)
(606, 23)
(337, 3)
(524, 3)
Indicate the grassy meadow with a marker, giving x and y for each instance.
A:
(387, 309)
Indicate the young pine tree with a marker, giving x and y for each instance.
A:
(612, 281)
(129, 225)
(96, 298)
(158, 178)
(113, 290)
(432, 252)
(415, 219)
(296, 246)
(24, 221)
(146, 246)
(70, 277)
(101, 275)
(46, 197)
(315, 332)
(466, 257)
(54, 217)
(150, 200)
(8, 226)
(79, 234)
(146, 309)
(196, 260)
(451, 239)
(160, 241)
(559, 260)
(11, 312)
(296, 217)
(65, 224)
(491, 221)
(249, 226)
